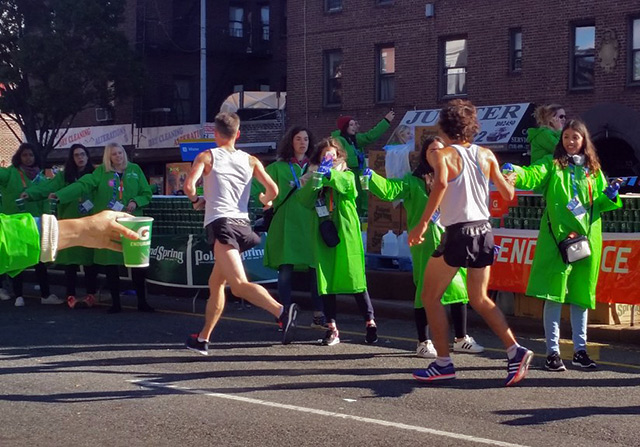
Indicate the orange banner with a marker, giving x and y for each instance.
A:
(619, 269)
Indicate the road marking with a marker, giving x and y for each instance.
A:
(249, 400)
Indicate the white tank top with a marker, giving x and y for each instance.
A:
(466, 198)
(227, 186)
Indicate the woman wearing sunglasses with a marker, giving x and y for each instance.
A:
(545, 137)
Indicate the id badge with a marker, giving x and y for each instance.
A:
(117, 206)
(576, 208)
(321, 208)
(87, 205)
(436, 216)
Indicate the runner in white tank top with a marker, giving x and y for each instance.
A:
(227, 181)
(460, 189)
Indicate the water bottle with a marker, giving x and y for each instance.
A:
(390, 244)
(403, 245)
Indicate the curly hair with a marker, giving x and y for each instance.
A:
(16, 160)
(424, 167)
(591, 156)
(316, 157)
(285, 147)
(459, 120)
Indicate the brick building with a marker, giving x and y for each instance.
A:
(363, 57)
(246, 50)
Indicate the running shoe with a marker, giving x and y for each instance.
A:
(19, 302)
(52, 299)
(319, 322)
(4, 295)
(518, 366)
(289, 324)
(193, 344)
(372, 334)
(582, 359)
(554, 363)
(468, 345)
(426, 350)
(435, 372)
(331, 337)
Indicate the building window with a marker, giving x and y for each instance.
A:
(333, 78)
(454, 71)
(515, 50)
(332, 5)
(236, 21)
(634, 51)
(386, 74)
(583, 60)
(182, 100)
(264, 22)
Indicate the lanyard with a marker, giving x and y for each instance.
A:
(117, 186)
(24, 182)
(295, 177)
(575, 188)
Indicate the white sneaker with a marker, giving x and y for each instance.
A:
(19, 302)
(426, 350)
(4, 295)
(468, 345)
(52, 299)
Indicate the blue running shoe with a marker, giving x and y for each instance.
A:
(435, 372)
(518, 366)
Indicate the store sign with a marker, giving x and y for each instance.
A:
(501, 127)
(96, 136)
(187, 261)
(618, 280)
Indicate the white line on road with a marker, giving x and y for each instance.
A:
(431, 431)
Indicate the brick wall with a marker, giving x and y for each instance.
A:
(361, 25)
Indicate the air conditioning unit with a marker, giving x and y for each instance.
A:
(103, 114)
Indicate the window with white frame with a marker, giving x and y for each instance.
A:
(515, 50)
(584, 57)
(236, 21)
(386, 74)
(333, 78)
(264, 22)
(454, 70)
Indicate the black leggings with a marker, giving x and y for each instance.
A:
(138, 276)
(458, 318)
(41, 275)
(90, 278)
(362, 299)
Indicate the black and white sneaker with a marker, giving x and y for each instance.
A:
(193, 344)
(554, 363)
(331, 337)
(289, 324)
(372, 334)
(581, 359)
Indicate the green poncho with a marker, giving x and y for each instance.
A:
(550, 277)
(543, 141)
(339, 269)
(103, 186)
(413, 192)
(19, 243)
(70, 210)
(14, 182)
(289, 238)
(362, 140)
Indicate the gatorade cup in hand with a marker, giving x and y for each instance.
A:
(317, 180)
(20, 203)
(136, 253)
(364, 182)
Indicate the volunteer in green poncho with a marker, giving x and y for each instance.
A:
(544, 138)
(412, 190)
(24, 172)
(119, 185)
(354, 143)
(4, 295)
(340, 268)
(576, 193)
(26, 240)
(76, 165)
(289, 245)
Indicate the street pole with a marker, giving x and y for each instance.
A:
(203, 64)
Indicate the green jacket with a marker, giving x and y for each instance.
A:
(19, 243)
(69, 210)
(288, 239)
(12, 184)
(550, 277)
(339, 269)
(362, 140)
(543, 141)
(102, 186)
(413, 192)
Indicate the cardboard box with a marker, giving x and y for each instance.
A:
(384, 214)
(376, 162)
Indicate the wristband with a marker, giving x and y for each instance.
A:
(195, 201)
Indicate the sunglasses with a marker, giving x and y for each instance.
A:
(562, 117)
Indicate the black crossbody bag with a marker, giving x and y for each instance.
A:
(574, 248)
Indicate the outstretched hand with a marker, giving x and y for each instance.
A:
(367, 172)
(98, 231)
(611, 191)
(325, 166)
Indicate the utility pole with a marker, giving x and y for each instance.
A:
(203, 63)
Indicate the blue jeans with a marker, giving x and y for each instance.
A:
(285, 274)
(551, 319)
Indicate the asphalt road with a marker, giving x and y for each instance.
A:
(86, 378)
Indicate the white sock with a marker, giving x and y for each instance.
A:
(443, 361)
(281, 312)
(202, 340)
(511, 352)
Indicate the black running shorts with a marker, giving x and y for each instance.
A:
(467, 244)
(235, 232)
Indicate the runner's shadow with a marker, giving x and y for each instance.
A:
(540, 416)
